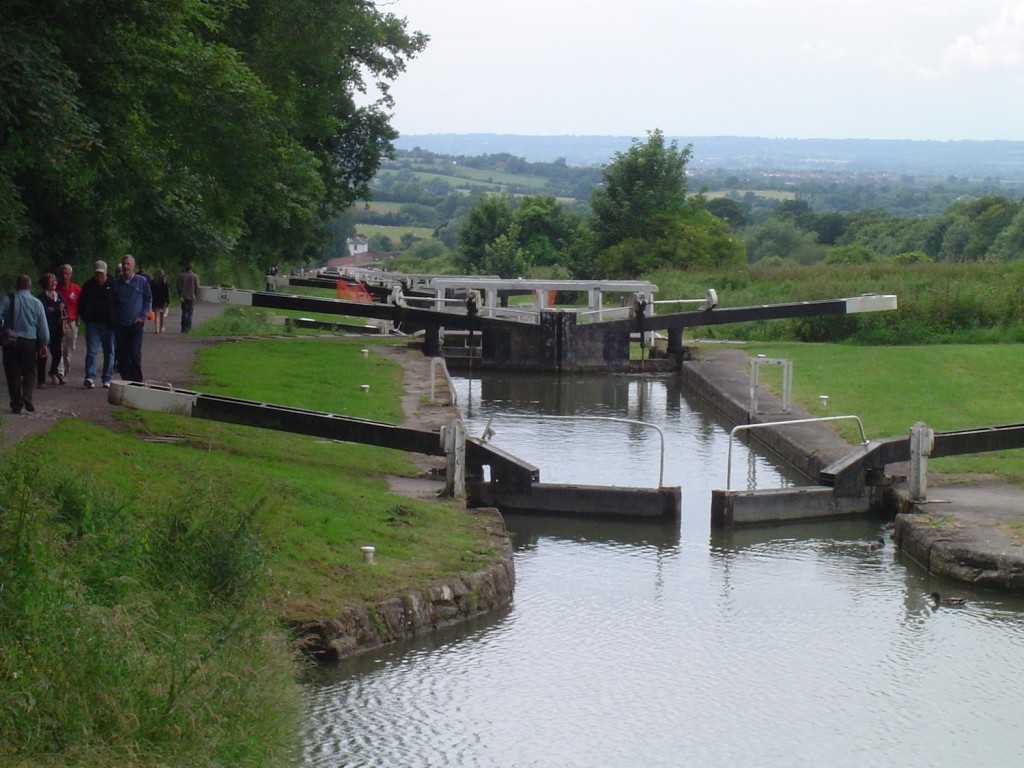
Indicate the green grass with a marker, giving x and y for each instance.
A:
(132, 627)
(378, 206)
(480, 176)
(947, 387)
(144, 570)
(395, 233)
(253, 321)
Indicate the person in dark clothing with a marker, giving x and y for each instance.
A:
(133, 300)
(96, 310)
(161, 299)
(56, 312)
(188, 291)
(24, 316)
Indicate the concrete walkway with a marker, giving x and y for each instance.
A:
(970, 528)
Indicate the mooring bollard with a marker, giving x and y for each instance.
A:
(368, 554)
(922, 441)
(453, 440)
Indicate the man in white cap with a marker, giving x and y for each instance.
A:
(96, 310)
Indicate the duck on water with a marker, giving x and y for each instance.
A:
(948, 602)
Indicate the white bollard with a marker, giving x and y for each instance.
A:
(364, 387)
(453, 439)
(823, 401)
(364, 352)
(368, 554)
(922, 441)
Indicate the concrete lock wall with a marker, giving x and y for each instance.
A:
(731, 508)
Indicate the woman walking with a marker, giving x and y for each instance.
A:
(53, 306)
(161, 299)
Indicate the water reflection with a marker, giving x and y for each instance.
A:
(660, 645)
(530, 529)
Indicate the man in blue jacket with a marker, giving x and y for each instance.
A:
(23, 313)
(132, 301)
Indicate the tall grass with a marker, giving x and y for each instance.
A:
(938, 303)
(132, 634)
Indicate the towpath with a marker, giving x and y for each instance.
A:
(166, 357)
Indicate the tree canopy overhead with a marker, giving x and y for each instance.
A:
(189, 129)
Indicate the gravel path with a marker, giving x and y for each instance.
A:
(166, 358)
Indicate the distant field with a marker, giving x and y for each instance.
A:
(478, 177)
(456, 182)
(492, 176)
(395, 233)
(767, 194)
(378, 207)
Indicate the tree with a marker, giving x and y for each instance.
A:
(546, 228)
(643, 191)
(782, 238)
(851, 254)
(189, 129)
(642, 219)
(728, 210)
(829, 227)
(504, 257)
(488, 220)
(1009, 244)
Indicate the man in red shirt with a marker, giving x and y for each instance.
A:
(70, 293)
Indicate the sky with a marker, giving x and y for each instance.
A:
(871, 69)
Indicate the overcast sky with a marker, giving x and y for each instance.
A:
(877, 69)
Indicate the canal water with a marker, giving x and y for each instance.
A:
(633, 644)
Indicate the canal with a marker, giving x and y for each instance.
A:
(638, 644)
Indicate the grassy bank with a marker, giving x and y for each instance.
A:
(948, 386)
(144, 570)
(976, 303)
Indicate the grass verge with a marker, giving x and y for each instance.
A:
(143, 570)
(949, 386)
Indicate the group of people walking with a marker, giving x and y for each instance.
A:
(40, 331)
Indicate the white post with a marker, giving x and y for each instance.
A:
(454, 440)
(754, 372)
(595, 301)
(922, 440)
(755, 377)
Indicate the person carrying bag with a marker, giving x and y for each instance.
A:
(25, 338)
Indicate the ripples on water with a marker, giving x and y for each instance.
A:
(647, 645)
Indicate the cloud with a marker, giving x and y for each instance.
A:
(996, 45)
(828, 51)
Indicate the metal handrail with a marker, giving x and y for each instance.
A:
(732, 434)
(488, 432)
(605, 311)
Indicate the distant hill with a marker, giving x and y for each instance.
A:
(992, 159)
